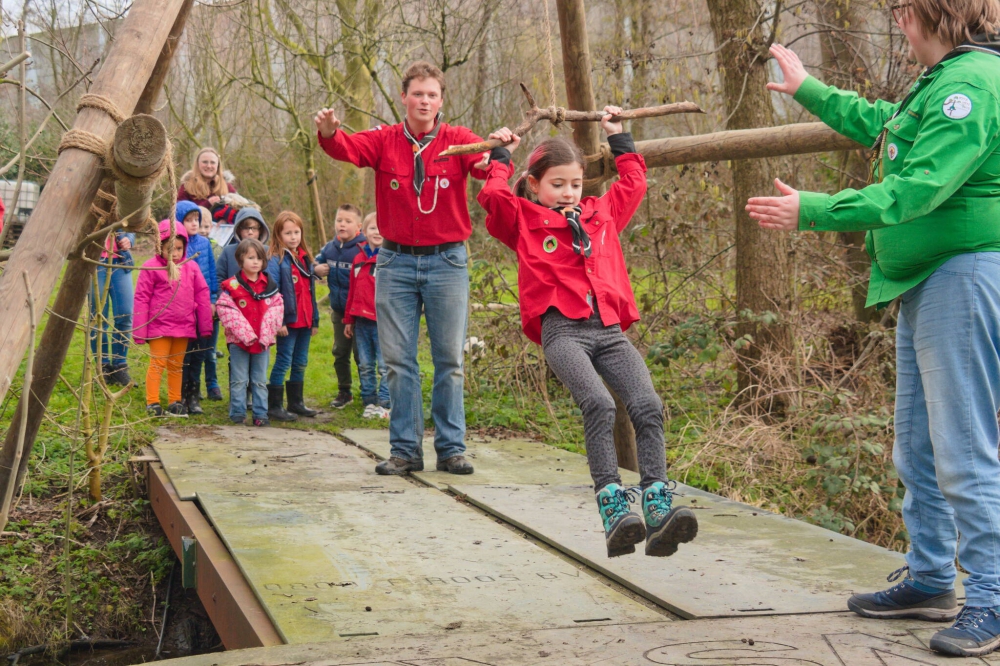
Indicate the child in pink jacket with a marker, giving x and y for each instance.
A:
(167, 314)
(252, 311)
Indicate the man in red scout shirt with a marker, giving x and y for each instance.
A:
(423, 216)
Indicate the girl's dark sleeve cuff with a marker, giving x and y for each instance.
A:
(621, 143)
(500, 154)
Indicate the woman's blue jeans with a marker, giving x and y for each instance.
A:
(120, 300)
(292, 351)
(371, 367)
(438, 286)
(947, 397)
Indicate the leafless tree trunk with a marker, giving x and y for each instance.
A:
(762, 263)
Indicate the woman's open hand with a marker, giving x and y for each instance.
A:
(791, 67)
(781, 213)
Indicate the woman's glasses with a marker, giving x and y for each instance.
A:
(897, 10)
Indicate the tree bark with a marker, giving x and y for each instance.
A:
(65, 202)
(844, 64)
(580, 97)
(762, 263)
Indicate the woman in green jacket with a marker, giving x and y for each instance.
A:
(932, 214)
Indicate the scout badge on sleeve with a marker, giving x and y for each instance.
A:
(957, 106)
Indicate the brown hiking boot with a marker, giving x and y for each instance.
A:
(398, 467)
(455, 465)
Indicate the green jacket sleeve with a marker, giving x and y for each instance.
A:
(945, 153)
(845, 112)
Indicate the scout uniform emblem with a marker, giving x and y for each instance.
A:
(394, 184)
(445, 183)
(892, 151)
(550, 244)
(957, 106)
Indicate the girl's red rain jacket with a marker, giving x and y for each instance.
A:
(550, 274)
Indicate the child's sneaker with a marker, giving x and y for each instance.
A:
(371, 412)
(177, 409)
(665, 526)
(976, 632)
(343, 399)
(622, 528)
(384, 413)
(906, 600)
(154, 409)
(261, 423)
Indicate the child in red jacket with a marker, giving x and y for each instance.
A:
(576, 300)
(359, 323)
(251, 309)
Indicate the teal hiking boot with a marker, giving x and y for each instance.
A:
(622, 528)
(665, 526)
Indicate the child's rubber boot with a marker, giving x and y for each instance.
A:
(622, 528)
(666, 526)
(276, 404)
(296, 401)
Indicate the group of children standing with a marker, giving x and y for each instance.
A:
(263, 295)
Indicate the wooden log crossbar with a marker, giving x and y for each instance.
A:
(557, 115)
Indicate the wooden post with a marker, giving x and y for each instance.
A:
(317, 208)
(72, 295)
(586, 135)
(65, 202)
(139, 148)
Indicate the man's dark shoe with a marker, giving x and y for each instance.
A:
(154, 409)
(976, 632)
(296, 401)
(398, 467)
(904, 601)
(455, 465)
(215, 394)
(343, 399)
(276, 404)
(177, 409)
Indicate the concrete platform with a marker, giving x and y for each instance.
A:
(497, 461)
(745, 561)
(241, 459)
(330, 566)
(809, 640)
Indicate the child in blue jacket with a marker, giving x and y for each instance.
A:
(189, 215)
(334, 262)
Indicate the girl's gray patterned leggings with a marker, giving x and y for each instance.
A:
(583, 351)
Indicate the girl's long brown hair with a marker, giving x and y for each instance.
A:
(198, 187)
(287, 217)
(549, 153)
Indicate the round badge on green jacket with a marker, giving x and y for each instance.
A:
(957, 106)
(550, 244)
(394, 184)
(892, 151)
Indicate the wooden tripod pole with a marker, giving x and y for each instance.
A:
(73, 290)
(65, 202)
(580, 97)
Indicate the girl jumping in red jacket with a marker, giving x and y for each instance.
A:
(576, 300)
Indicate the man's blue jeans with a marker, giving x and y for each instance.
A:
(292, 352)
(947, 396)
(120, 300)
(438, 285)
(371, 367)
(245, 368)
